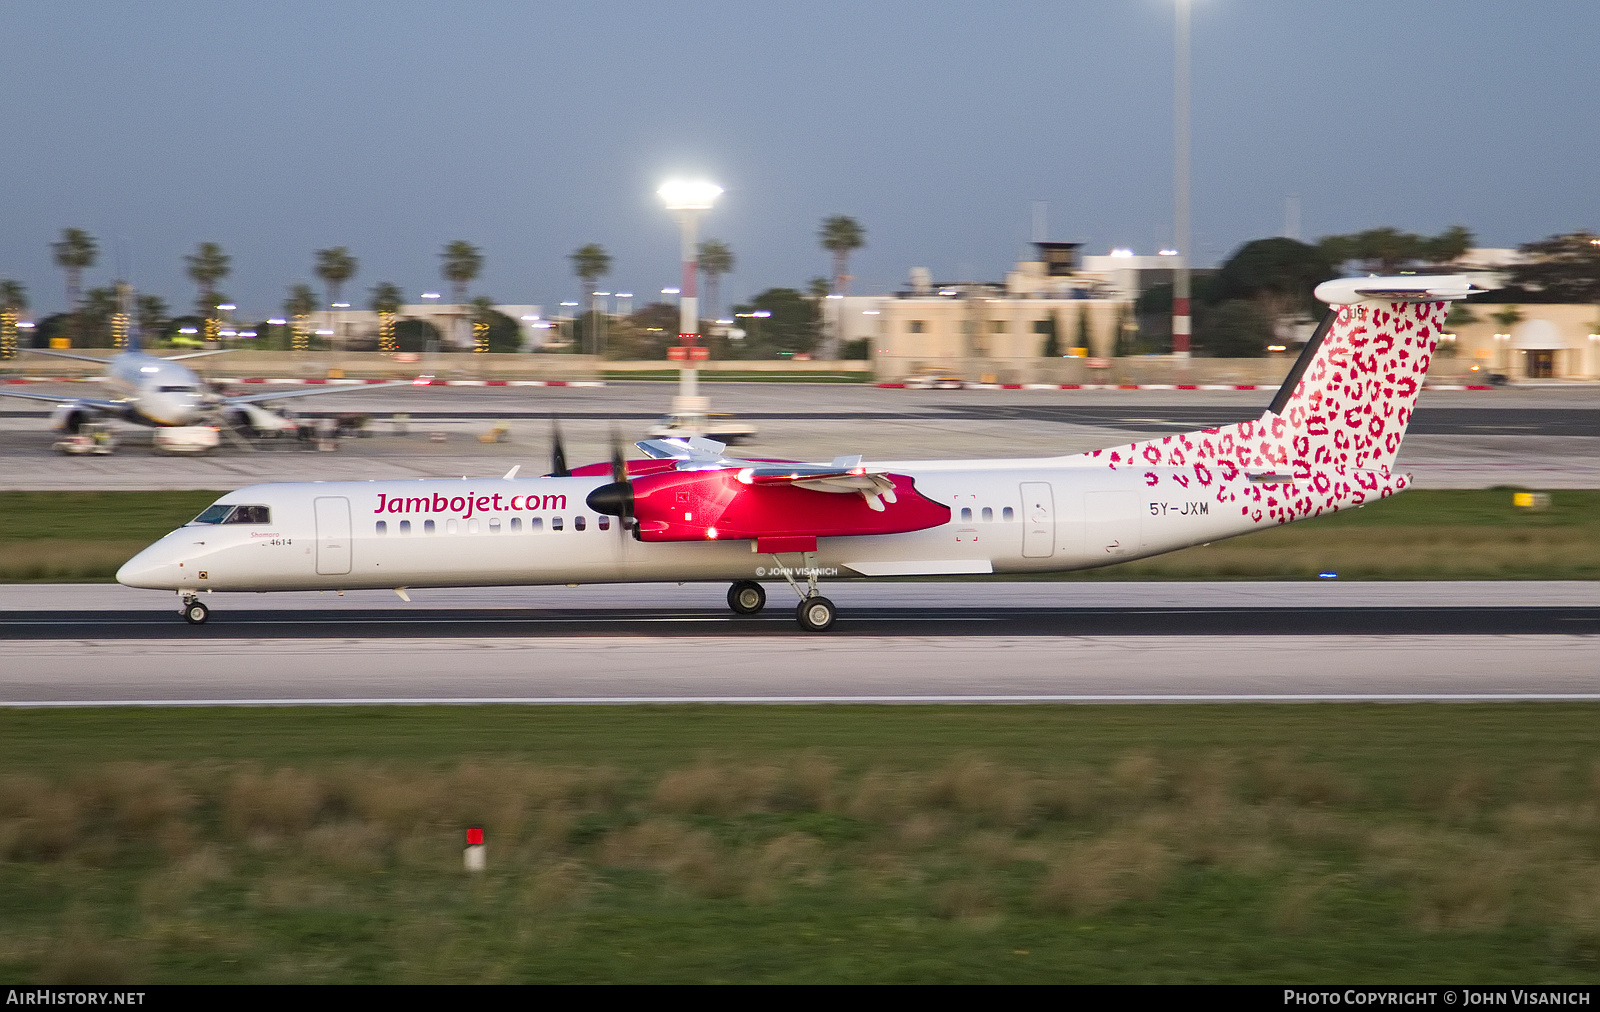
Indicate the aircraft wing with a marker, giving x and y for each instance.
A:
(116, 407)
(194, 354)
(278, 395)
(66, 354)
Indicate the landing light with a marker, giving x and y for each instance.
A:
(711, 532)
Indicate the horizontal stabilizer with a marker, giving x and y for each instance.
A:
(1402, 288)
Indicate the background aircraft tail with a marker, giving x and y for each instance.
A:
(1331, 436)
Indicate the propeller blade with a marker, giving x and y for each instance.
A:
(558, 452)
(622, 486)
(619, 462)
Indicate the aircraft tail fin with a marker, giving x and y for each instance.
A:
(1332, 433)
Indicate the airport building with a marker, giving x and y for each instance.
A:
(1001, 332)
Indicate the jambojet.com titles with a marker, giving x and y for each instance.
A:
(467, 505)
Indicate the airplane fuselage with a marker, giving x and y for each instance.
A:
(1023, 516)
(157, 391)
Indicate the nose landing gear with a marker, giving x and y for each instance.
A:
(815, 613)
(193, 611)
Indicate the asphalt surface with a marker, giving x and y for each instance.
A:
(904, 642)
(233, 623)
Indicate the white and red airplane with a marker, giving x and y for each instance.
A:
(1327, 442)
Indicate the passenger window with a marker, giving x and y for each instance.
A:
(577, 523)
(452, 526)
(535, 525)
(472, 526)
(405, 527)
(966, 514)
(494, 525)
(988, 515)
(555, 523)
(516, 524)
(427, 526)
(1007, 514)
(383, 527)
(604, 523)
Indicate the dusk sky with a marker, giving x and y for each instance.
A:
(529, 129)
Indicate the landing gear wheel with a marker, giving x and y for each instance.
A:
(196, 613)
(816, 614)
(746, 597)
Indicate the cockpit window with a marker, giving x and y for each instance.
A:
(227, 513)
(213, 514)
(249, 515)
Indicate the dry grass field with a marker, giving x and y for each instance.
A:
(1315, 843)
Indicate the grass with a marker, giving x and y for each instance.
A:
(1220, 843)
(68, 537)
(1421, 535)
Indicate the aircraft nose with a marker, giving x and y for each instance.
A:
(151, 569)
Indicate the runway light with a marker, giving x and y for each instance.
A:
(669, 291)
(187, 330)
(687, 195)
(227, 307)
(430, 295)
(1122, 252)
(341, 305)
(24, 326)
(1328, 576)
(277, 322)
(1168, 253)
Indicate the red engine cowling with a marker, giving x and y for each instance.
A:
(716, 505)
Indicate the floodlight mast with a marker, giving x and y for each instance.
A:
(686, 200)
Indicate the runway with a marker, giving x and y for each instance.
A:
(894, 643)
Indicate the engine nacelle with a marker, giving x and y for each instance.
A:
(70, 418)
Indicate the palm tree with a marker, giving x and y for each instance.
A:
(13, 300)
(386, 299)
(462, 263)
(841, 235)
(152, 311)
(335, 267)
(206, 266)
(75, 252)
(300, 304)
(716, 259)
(591, 263)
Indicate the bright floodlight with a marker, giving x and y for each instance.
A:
(684, 195)
(227, 307)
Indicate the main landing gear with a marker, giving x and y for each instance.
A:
(747, 597)
(193, 611)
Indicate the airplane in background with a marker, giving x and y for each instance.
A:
(157, 391)
(1328, 441)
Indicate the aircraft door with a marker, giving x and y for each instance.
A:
(1038, 520)
(333, 535)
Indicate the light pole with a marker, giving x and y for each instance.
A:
(1180, 184)
(686, 200)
